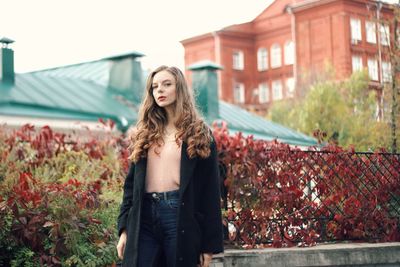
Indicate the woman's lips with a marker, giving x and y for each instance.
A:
(161, 98)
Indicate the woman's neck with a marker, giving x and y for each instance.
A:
(171, 120)
(170, 128)
(170, 115)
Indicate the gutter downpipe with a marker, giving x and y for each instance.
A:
(293, 32)
(378, 17)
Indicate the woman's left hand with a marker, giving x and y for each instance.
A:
(205, 259)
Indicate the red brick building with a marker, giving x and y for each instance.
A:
(290, 43)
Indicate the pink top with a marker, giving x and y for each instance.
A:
(163, 170)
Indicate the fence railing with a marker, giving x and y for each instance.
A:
(293, 197)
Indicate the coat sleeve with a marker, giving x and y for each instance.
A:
(212, 238)
(126, 200)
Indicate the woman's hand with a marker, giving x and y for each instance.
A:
(205, 259)
(121, 245)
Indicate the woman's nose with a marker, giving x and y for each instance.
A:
(160, 88)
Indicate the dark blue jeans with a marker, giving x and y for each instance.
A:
(157, 235)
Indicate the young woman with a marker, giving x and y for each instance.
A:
(170, 213)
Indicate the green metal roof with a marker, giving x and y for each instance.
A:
(79, 92)
(96, 71)
(240, 120)
(37, 95)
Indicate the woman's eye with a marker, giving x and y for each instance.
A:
(167, 84)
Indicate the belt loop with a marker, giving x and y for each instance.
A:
(165, 195)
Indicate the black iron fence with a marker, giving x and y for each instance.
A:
(304, 197)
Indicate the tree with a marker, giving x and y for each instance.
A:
(390, 91)
(324, 109)
(364, 131)
(345, 111)
(285, 112)
(395, 62)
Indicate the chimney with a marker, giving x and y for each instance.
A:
(6, 61)
(126, 76)
(205, 86)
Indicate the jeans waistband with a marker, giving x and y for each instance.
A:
(162, 195)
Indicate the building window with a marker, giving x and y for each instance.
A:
(384, 34)
(355, 25)
(373, 69)
(276, 56)
(289, 53)
(357, 63)
(386, 72)
(238, 60)
(262, 59)
(370, 29)
(263, 93)
(277, 90)
(290, 87)
(238, 93)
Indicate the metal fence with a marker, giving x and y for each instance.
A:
(303, 197)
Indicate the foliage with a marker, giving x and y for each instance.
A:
(323, 109)
(281, 196)
(55, 203)
(59, 196)
(285, 112)
(345, 111)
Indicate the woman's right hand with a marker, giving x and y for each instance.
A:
(121, 244)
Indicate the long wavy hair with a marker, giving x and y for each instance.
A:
(153, 119)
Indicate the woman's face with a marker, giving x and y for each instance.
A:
(164, 89)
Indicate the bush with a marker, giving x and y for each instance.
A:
(60, 195)
(282, 196)
(59, 198)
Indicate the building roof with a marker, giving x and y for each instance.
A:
(80, 92)
(39, 95)
(305, 4)
(96, 71)
(240, 120)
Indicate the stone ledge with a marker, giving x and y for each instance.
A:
(339, 254)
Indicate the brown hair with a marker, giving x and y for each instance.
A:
(153, 119)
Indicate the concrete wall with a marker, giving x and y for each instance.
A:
(354, 254)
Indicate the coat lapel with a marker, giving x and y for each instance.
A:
(140, 175)
(187, 167)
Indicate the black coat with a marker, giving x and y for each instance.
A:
(199, 214)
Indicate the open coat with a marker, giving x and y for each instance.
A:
(199, 227)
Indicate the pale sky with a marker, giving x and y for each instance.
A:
(51, 33)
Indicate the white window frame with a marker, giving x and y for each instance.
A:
(370, 30)
(373, 69)
(384, 32)
(355, 29)
(263, 93)
(277, 93)
(386, 71)
(262, 59)
(290, 87)
(238, 93)
(289, 53)
(276, 56)
(356, 63)
(238, 60)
